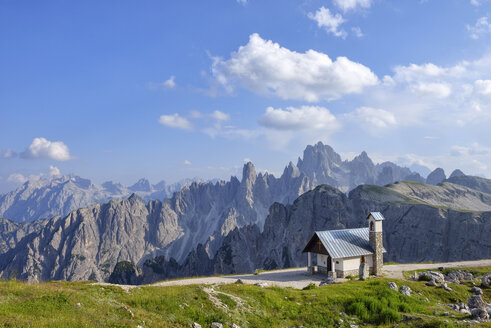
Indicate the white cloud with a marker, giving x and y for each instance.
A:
(166, 85)
(375, 117)
(242, 2)
(436, 90)
(8, 153)
(220, 116)
(347, 5)
(43, 148)
(483, 87)
(357, 31)
(195, 114)
(328, 21)
(481, 27)
(17, 178)
(267, 68)
(170, 83)
(186, 162)
(304, 118)
(477, 2)
(175, 121)
(54, 171)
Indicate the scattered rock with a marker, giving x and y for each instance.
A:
(479, 314)
(444, 286)
(476, 290)
(465, 311)
(393, 285)
(405, 290)
(486, 280)
(216, 325)
(433, 275)
(79, 305)
(235, 326)
(124, 307)
(196, 325)
(239, 281)
(445, 313)
(476, 302)
(432, 283)
(427, 300)
(261, 284)
(327, 281)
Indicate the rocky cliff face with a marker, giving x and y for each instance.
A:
(413, 232)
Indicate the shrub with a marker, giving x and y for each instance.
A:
(387, 316)
(310, 286)
(424, 278)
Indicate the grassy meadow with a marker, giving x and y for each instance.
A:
(85, 304)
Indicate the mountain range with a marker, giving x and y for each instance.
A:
(238, 225)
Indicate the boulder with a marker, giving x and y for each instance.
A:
(433, 275)
(475, 301)
(216, 325)
(431, 283)
(393, 285)
(479, 314)
(196, 325)
(476, 290)
(486, 280)
(445, 286)
(405, 290)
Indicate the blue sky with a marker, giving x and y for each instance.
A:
(118, 90)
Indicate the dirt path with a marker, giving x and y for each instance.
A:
(298, 277)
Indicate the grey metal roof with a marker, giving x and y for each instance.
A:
(377, 216)
(346, 242)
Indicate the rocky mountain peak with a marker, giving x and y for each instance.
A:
(249, 173)
(142, 185)
(456, 173)
(436, 177)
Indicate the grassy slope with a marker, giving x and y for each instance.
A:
(54, 304)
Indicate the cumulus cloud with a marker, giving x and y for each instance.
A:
(480, 28)
(17, 178)
(437, 90)
(8, 153)
(43, 148)
(483, 87)
(328, 21)
(303, 118)
(347, 5)
(54, 171)
(375, 117)
(220, 116)
(175, 121)
(267, 68)
(186, 162)
(170, 83)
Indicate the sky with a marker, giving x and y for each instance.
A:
(119, 90)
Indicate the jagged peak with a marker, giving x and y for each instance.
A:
(248, 172)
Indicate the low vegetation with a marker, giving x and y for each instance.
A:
(84, 304)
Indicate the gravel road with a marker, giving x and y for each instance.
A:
(298, 277)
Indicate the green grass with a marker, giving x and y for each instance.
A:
(55, 304)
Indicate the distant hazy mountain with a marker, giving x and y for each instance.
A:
(45, 198)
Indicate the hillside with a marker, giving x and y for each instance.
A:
(369, 303)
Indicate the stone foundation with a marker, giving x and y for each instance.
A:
(311, 270)
(344, 274)
(332, 274)
(322, 269)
